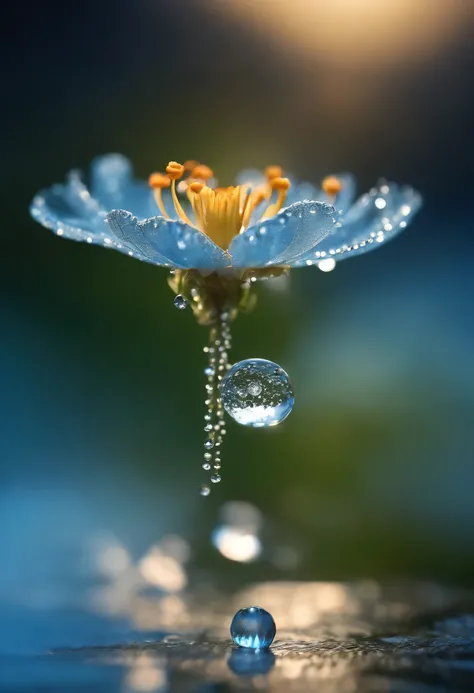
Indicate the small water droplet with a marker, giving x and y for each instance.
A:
(207, 456)
(253, 628)
(205, 490)
(215, 478)
(208, 427)
(206, 466)
(327, 265)
(180, 302)
(257, 392)
(209, 444)
(209, 371)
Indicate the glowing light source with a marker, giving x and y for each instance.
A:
(237, 544)
(355, 31)
(163, 571)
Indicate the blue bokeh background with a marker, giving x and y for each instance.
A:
(102, 379)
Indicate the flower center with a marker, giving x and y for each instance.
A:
(220, 213)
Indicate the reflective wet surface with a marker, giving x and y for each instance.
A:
(330, 637)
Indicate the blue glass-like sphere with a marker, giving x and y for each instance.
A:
(253, 628)
(257, 392)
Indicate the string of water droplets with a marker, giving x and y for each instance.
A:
(214, 423)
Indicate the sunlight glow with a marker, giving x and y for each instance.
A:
(349, 32)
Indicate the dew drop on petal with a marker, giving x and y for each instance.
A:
(327, 265)
(257, 393)
(180, 302)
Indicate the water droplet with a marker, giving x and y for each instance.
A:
(267, 397)
(206, 466)
(209, 371)
(205, 490)
(215, 478)
(180, 302)
(327, 265)
(253, 628)
(209, 444)
(208, 427)
(207, 456)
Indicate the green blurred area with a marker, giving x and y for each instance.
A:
(377, 485)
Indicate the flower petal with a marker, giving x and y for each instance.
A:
(52, 209)
(280, 239)
(375, 218)
(251, 178)
(301, 191)
(165, 242)
(114, 187)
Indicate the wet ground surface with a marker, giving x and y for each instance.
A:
(331, 637)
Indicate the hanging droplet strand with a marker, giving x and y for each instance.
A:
(214, 423)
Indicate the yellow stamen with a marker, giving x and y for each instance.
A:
(282, 185)
(272, 172)
(220, 213)
(196, 187)
(175, 172)
(158, 181)
(202, 172)
(194, 191)
(190, 164)
(331, 186)
(256, 198)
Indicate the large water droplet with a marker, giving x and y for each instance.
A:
(257, 392)
(253, 628)
(180, 302)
